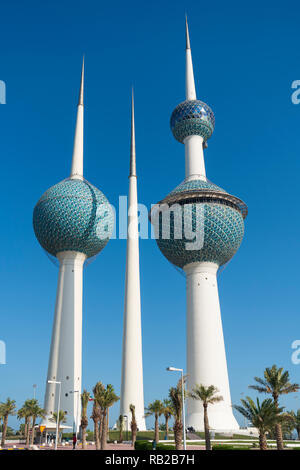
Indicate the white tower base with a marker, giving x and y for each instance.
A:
(66, 345)
(206, 357)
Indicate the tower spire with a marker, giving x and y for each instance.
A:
(190, 89)
(132, 389)
(132, 142)
(77, 160)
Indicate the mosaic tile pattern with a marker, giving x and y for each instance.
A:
(219, 227)
(192, 117)
(196, 185)
(73, 215)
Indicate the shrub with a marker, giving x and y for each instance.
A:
(147, 445)
(229, 447)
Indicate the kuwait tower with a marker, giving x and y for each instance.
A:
(198, 228)
(132, 390)
(73, 222)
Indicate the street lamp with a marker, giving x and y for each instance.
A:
(127, 427)
(34, 389)
(58, 409)
(174, 369)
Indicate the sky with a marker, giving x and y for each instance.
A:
(246, 56)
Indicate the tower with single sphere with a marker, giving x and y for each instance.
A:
(72, 222)
(199, 227)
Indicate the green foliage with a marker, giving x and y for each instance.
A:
(229, 447)
(262, 416)
(147, 445)
(175, 397)
(156, 408)
(205, 394)
(276, 382)
(61, 417)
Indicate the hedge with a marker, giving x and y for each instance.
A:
(147, 445)
(229, 447)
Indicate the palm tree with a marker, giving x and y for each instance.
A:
(25, 413)
(22, 415)
(121, 427)
(106, 397)
(61, 420)
(133, 424)
(208, 397)
(156, 409)
(175, 395)
(276, 382)
(7, 408)
(264, 416)
(296, 421)
(85, 397)
(35, 412)
(97, 415)
(167, 412)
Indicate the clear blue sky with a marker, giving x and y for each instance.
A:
(246, 56)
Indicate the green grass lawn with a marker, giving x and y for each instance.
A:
(141, 435)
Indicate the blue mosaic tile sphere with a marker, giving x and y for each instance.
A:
(192, 117)
(73, 215)
(218, 223)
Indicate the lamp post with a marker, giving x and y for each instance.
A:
(58, 409)
(174, 369)
(34, 389)
(127, 431)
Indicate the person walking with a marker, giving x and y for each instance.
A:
(74, 441)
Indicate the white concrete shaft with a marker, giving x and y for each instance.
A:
(194, 158)
(77, 160)
(132, 390)
(66, 345)
(206, 357)
(190, 89)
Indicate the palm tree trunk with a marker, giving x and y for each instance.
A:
(104, 430)
(83, 428)
(206, 429)
(26, 428)
(32, 433)
(278, 430)
(96, 433)
(133, 433)
(4, 430)
(27, 432)
(100, 429)
(262, 441)
(156, 428)
(178, 434)
(298, 432)
(167, 426)
(279, 439)
(107, 424)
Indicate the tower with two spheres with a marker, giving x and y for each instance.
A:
(199, 227)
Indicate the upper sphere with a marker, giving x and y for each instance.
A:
(73, 215)
(192, 117)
